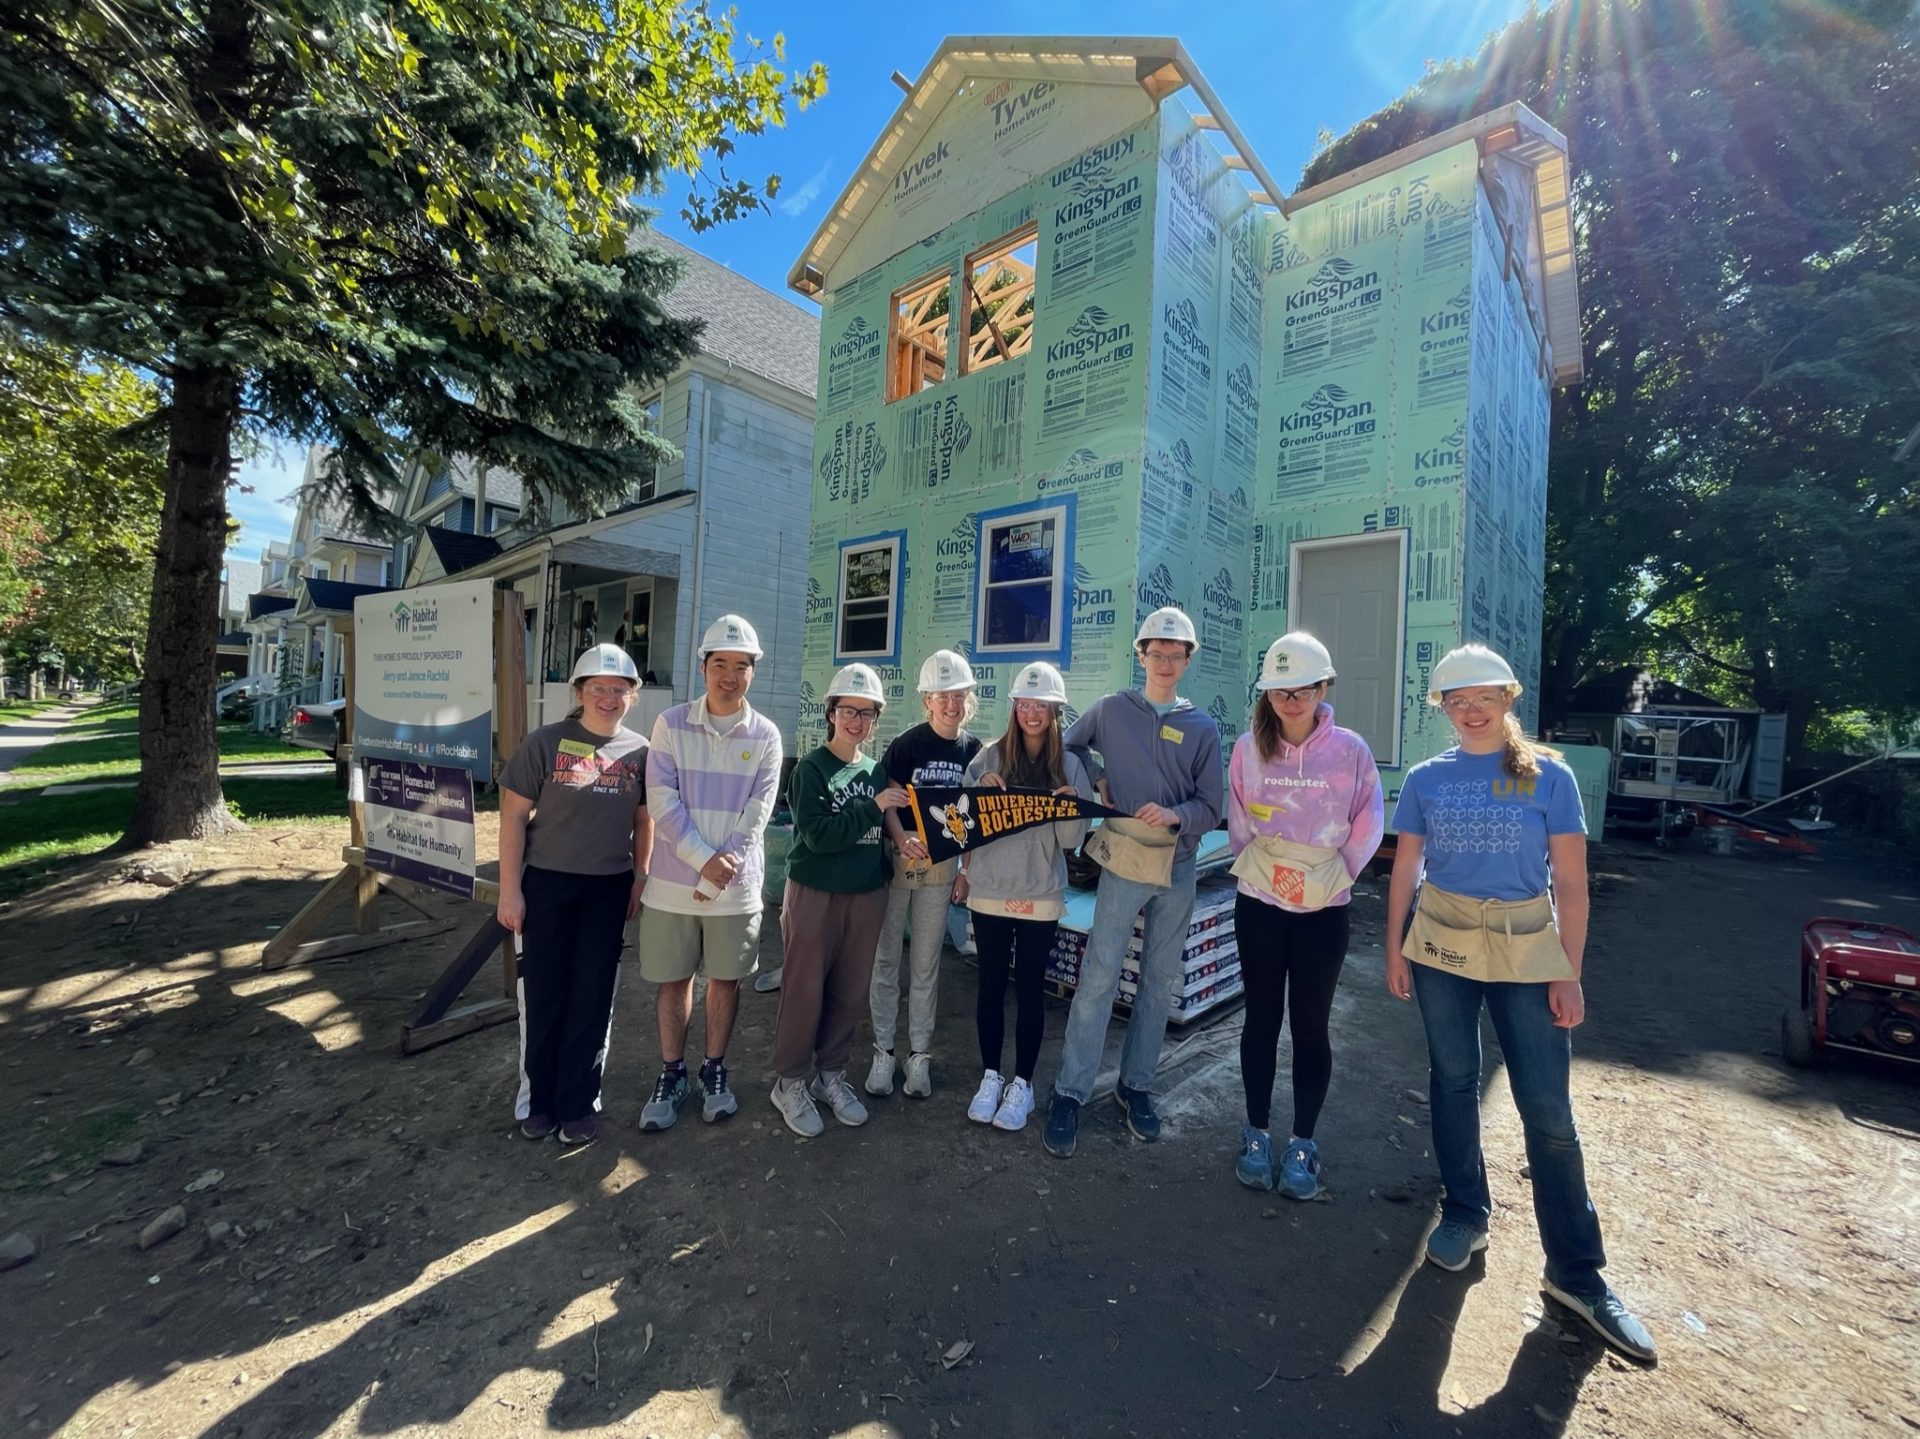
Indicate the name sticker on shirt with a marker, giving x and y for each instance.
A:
(1261, 812)
(1167, 731)
(579, 748)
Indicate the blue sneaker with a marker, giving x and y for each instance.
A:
(1062, 1133)
(1452, 1245)
(1610, 1318)
(1255, 1169)
(1300, 1172)
(1138, 1105)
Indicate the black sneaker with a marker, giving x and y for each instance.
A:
(577, 1132)
(1141, 1119)
(537, 1126)
(1062, 1133)
(716, 1095)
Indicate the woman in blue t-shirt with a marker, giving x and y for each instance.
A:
(1502, 922)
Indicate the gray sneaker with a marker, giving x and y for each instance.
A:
(767, 980)
(670, 1091)
(831, 1089)
(716, 1095)
(1608, 1317)
(796, 1107)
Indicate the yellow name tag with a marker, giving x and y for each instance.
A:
(1167, 731)
(576, 747)
(1261, 812)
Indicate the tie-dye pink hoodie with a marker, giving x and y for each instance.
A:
(1325, 792)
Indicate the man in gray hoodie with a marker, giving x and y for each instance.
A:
(1162, 761)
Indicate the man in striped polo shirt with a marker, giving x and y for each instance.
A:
(711, 775)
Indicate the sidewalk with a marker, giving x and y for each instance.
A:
(27, 736)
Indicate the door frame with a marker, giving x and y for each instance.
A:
(1401, 538)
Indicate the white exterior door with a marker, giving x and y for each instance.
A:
(1350, 594)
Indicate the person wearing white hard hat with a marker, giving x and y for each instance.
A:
(1162, 760)
(1016, 889)
(1492, 832)
(575, 841)
(935, 752)
(712, 771)
(832, 907)
(1304, 815)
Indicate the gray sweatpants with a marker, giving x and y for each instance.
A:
(828, 943)
(920, 916)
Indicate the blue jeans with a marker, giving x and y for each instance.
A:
(1539, 1056)
(1115, 904)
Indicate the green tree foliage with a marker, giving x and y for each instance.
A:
(365, 224)
(1724, 492)
(81, 476)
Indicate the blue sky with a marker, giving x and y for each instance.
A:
(1284, 69)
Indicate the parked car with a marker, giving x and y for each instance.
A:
(317, 726)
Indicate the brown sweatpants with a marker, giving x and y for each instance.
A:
(828, 941)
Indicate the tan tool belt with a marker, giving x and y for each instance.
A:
(1308, 876)
(1136, 850)
(1494, 941)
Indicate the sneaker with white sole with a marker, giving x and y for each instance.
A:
(832, 1089)
(716, 1095)
(880, 1077)
(670, 1091)
(1300, 1171)
(796, 1106)
(986, 1099)
(1610, 1318)
(919, 1083)
(1015, 1105)
(1452, 1245)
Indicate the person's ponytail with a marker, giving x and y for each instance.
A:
(1522, 757)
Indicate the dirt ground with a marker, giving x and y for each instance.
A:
(369, 1250)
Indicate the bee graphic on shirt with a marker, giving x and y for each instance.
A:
(955, 820)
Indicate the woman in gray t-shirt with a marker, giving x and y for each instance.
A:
(574, 843)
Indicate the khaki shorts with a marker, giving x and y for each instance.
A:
(673, 946)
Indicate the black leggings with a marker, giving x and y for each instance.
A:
(1023, 945)
(1278, 950)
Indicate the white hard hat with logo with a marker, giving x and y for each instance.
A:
(945, 670)
(1040, 681)
(730, 632)
(1466, 667)
(1168, 623)
(1293, 662)
(605, 660)
(857, 681)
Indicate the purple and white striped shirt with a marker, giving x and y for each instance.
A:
(710, 789)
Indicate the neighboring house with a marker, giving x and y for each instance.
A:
(721, 527)
(1080, 358)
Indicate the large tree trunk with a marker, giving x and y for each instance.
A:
(179, 795)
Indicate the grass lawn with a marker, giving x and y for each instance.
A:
(65, 827)
(24, 709)
(115, 754)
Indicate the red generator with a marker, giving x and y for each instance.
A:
(1859, 991)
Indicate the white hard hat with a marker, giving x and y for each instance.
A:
(857, 682)
(605, 660)
(1466, 667)
(945, 670)
(730, 632)
(1293, 662)
(1168, 623)
(1040, 681)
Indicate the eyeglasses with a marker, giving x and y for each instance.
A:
(1163, 657)
(1460, 704)
(608, 692)
(949, 699)
(852, 715)
(1032, 707)
(1287, 697)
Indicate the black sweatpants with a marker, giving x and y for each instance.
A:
(569, 965)
(1023, 946)
(1280, 952)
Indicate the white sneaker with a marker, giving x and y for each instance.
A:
(790, 1097)
(833, 1090)
(880, 1077)
(986, 1099)
(1015, 1105)
(919, 1075)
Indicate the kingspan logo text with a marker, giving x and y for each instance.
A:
(1183, 321)
(856, 341)
(1454, 317)
(1329, 405)
(1449, 454)
(1093, 332)
(1332, 282)
(1111, 153)
(1221, 596)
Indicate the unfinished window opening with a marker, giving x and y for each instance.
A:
(921, 325)
(999, 285)
(1022, 606)
(866, 625)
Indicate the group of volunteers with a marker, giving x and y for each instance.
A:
(1487, 905)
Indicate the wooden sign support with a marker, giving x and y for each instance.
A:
(436, 1020)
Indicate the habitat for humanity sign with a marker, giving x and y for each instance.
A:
(419, 823)
(423, 676)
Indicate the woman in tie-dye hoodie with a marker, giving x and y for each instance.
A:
(1305, 814)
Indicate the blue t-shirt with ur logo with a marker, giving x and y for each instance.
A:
(1483, 832)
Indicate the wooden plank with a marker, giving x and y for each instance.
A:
(341, 944)
(509, 673)
(460, 970)
(480, 1015)
(278, 951)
